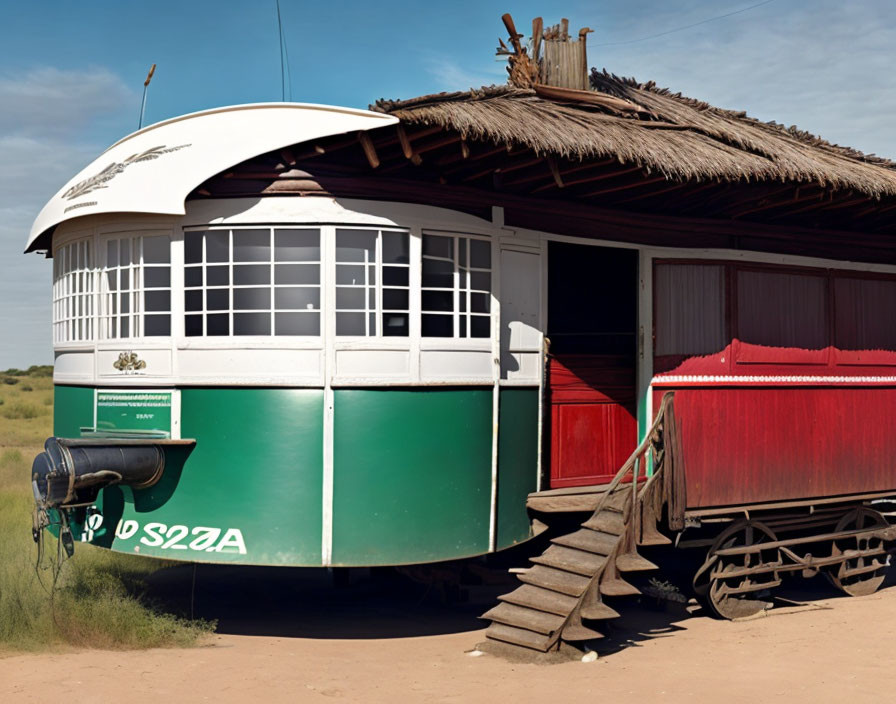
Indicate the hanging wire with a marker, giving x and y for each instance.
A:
(689, 26)
(284, 62)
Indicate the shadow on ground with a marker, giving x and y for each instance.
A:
(362, 603)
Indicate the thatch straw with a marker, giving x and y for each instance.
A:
(683, 139)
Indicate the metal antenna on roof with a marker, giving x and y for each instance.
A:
(152, 70)
(284, 59)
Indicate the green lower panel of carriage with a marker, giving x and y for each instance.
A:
(411, 476)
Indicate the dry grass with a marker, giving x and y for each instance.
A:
(98, 601)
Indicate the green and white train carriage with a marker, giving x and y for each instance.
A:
(285, 380)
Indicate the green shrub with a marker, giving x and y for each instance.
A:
(25, 387)
(11, 380)
(40, 370)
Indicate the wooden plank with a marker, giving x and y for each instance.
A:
(369, 149)
(571, 560)
(542, 599)
(633, 562)
(519, 636)
(522, 617)
(598, 610)
(555, 580)
(593, 541)
(608, 521)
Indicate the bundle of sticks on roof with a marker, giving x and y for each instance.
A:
(556, 59)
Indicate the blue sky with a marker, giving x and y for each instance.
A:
(71, 76)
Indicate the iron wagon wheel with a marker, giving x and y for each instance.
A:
(730, 585)
(859, 574)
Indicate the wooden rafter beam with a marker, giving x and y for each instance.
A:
(369, 149)
(815, 196)
(624, 187)
(591, 178)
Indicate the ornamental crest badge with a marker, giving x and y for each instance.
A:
(129, 362)
(88, 185)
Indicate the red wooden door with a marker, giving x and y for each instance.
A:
(593, 424)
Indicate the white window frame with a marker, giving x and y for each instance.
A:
(457, 291)
(106, 314)
(378, 311)
(74, 288)
(230, 339)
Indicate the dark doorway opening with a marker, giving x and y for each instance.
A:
(592, 327)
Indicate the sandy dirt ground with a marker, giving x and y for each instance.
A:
(296, 639)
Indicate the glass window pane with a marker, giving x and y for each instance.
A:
(125, 279)
(438, 274)
(156, 250)
(111, 255)
(438, 300)
(297, 245)
(193, 325)
(217, 299)
(395, 299)
(293, 298)
(480, 281)
(480, 254)
(156, 277)
(124, 252)
(462, 326)
(251, 299)
(781, 309)
(251, 323)
(463, 244)
(351, 298)
(112, 280)
(355, 245)
(689, 309)
(395, 324)
(193, 276)
(864, 314)
(480, 303)
(297, 324)
(396, 248)
(251, 246)
(217, 276)
(251, 274)
(395, 275)
(351, 275)
(193, 300)
(437, 246)
(125, 327)
(437, 325)
(350, 324)
(297, 274)
(157, 301)
(217, 246)
(480, 326)
(217, 324)
(193, 247)
(125, 303)
(157, 325)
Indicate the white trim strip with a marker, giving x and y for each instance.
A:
(795, 379)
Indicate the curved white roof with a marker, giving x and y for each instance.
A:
(153, 170)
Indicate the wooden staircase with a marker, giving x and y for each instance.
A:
(566, 586)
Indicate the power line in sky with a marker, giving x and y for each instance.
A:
(688, 26)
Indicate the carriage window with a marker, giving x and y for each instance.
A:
(372, 283)
(136, 287)
(689, 309)
(864, 311)
(73, 286)
(260, 281)
(456, 287)
(782, 309)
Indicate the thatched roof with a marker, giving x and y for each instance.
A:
(681, 138)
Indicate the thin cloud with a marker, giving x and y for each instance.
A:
(45, 123)
(449, 75)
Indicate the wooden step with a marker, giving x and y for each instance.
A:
(620, 500)
(522, 617)
(633, 562)
(556, 580)
(608, 521)
(576, 631)
(591, 540)
(519, 636)
(598, 610)
(542, 599)
(618, 587)
(571, 560)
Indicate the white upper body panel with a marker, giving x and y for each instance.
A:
(153, 170)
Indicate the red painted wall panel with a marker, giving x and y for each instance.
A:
(746, 444)
(593, 426)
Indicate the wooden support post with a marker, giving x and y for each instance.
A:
(406, 147)
(369, 149)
